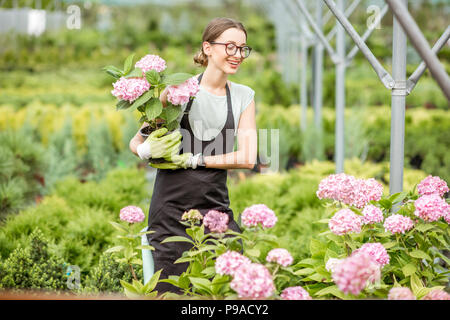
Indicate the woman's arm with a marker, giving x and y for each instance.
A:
(137, 140)
(245, 156)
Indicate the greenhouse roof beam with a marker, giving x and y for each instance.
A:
(419, 42)
(384, 76)
(301, 6)
(347, 13)
(301, 26)
(367, 34)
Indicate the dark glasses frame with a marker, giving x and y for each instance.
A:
(237, 47)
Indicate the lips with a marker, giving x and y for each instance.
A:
(230, 62)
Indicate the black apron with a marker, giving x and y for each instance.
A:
(179, 190)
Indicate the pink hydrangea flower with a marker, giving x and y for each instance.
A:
(372, 214)
(151, 62)
(228, 262)
(280, 256)
(345, 221)
(432, 185)
(216, 221)
(295, 293)
(431, 207)
(437, 294)
(332, 263)
(253, 281)
(132, 214)
(354, 272)
(130, 89)
(400, 293)
(181, 93)
(258, 213)
(377, 252)
(447, 216)
(349, 190)
(397, 223)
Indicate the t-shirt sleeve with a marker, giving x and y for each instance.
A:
(248, 96)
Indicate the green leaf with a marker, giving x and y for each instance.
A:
(177, 239)
(317, 248)
(136, 73)
(171, 113)
(151, 284)
(142, 99)
(331, 290)
(118, 226)
(115, 249)
(304, 271)
(172, 125)
(113, 71)
(153, 77)
(419, 254)
(129, 287)
(390, 244)
(144, 247)
(385, 203)
(423, 227)
(210, 271)
(153, 108)
(323, 221)
(416, 284)
(409, 269)
(201, 283)
(176, 78)
(122, 105)
(128, 63)
(253, 252)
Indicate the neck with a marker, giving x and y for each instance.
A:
(214, 78)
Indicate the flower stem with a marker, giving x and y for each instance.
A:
(132, 272)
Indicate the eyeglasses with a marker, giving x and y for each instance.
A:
(231, 48)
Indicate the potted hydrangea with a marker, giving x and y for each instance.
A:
(140, 88)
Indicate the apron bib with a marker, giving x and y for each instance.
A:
(179, 190)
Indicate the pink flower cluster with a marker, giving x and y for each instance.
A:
(432, 185)
(431, 207)
(258, 213)
(280, 256)
(377, 252)
(397, 223)
(345, 221)
(130, 89)
(437, 294)
(332, 263)
(349, 190)
(181, 93)
(229, 262)
(151, 62)
(401, 293)
(353, 273)
(252, 280)
(295, 293)
(372, 214)
(216, 221)
(132, 214)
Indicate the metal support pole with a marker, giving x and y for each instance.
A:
(398, 97)
(339, 151)
(318, 79)
(384, 76)
(304, 85)
(412, 81)
(347, 13)
(420, 43)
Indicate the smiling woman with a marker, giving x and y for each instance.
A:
(221, 111)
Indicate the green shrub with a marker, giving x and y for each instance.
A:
(33, 267)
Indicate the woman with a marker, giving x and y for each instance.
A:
(197, 176)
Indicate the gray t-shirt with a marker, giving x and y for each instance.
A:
(209, 111)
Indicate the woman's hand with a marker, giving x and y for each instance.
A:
(159, 146)
(178, 161)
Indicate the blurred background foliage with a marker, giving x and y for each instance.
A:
(65, 164)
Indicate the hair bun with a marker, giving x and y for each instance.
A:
(201, 59)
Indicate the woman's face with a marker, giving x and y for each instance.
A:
(217, 55)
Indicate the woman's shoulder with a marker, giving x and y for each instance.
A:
(242, 89)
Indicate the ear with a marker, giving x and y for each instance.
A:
(206, 47)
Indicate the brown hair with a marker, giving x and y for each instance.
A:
(212, 31)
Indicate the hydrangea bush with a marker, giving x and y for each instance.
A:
(140, 88)
(390, 247)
